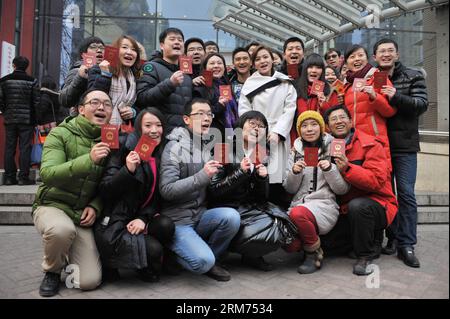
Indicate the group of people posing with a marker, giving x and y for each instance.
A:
(104, 209)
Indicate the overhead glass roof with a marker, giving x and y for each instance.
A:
(314, 21)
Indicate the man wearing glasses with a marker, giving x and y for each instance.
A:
(409, 96)
(201, 235)
(66, 204)
(333, 58)
(76, 81)
(370, 205)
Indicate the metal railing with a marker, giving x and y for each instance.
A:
(433, 133)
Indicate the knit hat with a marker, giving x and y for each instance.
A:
(306, 115)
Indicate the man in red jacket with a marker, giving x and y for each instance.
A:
(370, 204)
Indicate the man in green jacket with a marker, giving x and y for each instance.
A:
(67, 203)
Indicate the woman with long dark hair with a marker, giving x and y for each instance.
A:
(131, 233)
(225, 110)
(307, 100)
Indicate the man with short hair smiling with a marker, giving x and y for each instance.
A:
(241, 72)
(409, 96)
(370, 205)
(163, 84)
(67, 203)
(201, 235)
(293, 50)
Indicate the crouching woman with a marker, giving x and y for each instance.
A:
(131, 234)
(243, 183)
(313, 209)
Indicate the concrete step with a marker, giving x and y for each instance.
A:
(24, 195)
(433, 215)
(432, 199)
(18, 215)
(15, 215)
(17, 195)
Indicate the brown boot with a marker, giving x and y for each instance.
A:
(313, 260)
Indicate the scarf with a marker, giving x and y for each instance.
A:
(121, 96)
(361, 74)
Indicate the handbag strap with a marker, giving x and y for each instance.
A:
(37, 134)
(53, 111)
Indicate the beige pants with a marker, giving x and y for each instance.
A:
(66, 243)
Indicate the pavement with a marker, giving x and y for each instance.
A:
(21, 256)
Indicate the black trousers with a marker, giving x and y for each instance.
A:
(279, 196)
(367, 220)
(160, 234)
(23, 134)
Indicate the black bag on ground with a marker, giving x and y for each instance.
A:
(264, 229)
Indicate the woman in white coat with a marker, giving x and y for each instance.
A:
(273, 94)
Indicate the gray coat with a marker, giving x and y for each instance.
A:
(154, 88)
(321, 201)
(183, 181)
(73, 88)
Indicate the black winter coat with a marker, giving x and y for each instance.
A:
(73, 88)
(123, 195)
(155, 89)
(19, 98)
(232, 187)
(411, 101)
(264, 226)
(49, 109)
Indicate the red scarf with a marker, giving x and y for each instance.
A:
(361, 74)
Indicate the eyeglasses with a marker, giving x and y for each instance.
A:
(96, 103)
(332, 56)
(334, 119)
(202, 114)
(254, 124)
(96, 47)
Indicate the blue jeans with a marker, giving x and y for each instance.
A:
(198, 246)
(404, 226)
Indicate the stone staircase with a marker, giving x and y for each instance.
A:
(16, 201)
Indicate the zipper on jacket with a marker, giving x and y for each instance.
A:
(374, 124)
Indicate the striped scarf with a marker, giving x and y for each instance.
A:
(120, 96)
